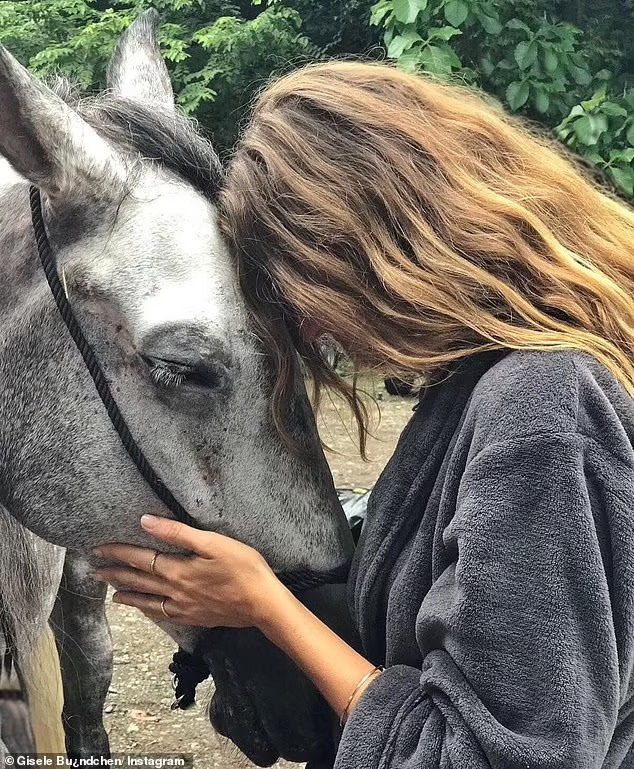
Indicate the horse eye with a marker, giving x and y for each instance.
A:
(202, 378)
(166, 378)
(169, 374)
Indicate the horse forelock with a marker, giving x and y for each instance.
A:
(162, 136)
(157, 134)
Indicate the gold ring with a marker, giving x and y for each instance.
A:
(153, 564)
(169, 616)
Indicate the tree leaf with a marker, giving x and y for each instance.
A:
(613, 109)
(517, 94)
(629, 134)
(551, 60)
(491, 24)
(627, 156)
(589, 128)
(624, 178)
(406, 11)
(410, 60)
(442, 33)
(379, 12)
(578, 60)
(518, 24)
(579, 75)
(542, 101)
(599, 123)
(436, 60)
(486, 66)
(456, 11)
(525, 54)
(594, 156)
(576, 111)
(507, 65)
(401, 43)
(453, 59)
(595, 100)
(583, 130)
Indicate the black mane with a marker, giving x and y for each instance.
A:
(157, 134)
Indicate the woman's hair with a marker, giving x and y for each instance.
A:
(418, 224)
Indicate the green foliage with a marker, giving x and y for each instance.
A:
(534, 59)
(68, 36)
(602, 129)
(338, 27)
(239, 57)
(564, 63)
(216, 56)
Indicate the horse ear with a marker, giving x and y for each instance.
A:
(46, 141)
(137, 70)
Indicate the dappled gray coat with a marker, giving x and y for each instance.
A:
(495, 575)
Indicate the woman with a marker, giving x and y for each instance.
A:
(429, 233)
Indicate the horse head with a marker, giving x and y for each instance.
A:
(129, 191)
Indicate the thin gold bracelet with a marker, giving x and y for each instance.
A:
(344, 714)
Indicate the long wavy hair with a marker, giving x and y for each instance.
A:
(417, 224)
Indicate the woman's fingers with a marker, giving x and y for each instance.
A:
(167, 530)
(224, 582)
(153, 606)
(135, 580)
(139, 557)
(177, 533)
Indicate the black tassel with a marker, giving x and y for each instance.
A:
(188, 671)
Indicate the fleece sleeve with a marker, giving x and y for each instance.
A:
(520, 663)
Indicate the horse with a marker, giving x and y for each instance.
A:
(128, 191)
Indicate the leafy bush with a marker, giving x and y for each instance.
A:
(564, 63)
(602, 129)
(68, 36)
(233, 58)
(216, 56)
(532, 58)
(338, 27)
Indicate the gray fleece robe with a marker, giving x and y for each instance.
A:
(495, 575)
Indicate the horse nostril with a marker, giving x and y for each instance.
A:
(249, 736)
(217, 717)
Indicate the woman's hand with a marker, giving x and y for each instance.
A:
(228, 584)
(223, 584)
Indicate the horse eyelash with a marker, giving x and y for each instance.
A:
(164, 377)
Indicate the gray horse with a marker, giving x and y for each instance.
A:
(129, 190)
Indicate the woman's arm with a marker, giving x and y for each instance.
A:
(245, 593)
(335, 668)
(521, 657)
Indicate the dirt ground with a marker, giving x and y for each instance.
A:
(138, 717)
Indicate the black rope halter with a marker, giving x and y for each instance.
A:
(188, 669)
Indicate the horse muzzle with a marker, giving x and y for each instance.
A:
(263, 702)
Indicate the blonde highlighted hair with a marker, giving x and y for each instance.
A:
(418, 224)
